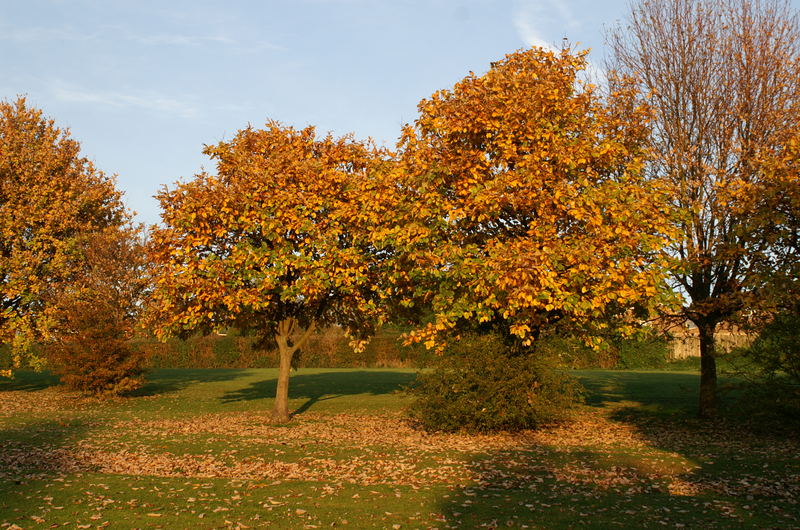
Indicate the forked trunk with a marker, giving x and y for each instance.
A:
(708, 371)
(286, 350)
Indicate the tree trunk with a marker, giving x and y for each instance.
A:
(286, 351)
(708, 371)
(280, 412)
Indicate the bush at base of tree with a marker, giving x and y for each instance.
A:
(92, 354)
(481, 385)
(776, 350)
(771, 366)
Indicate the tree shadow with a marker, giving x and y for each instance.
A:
(29, 454)
(28, 381)
(324, 386)
(160, 381)
(676, 470)
(667, 393)
(169, 380)
(510, 493)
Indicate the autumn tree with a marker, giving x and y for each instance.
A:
(50, 196)
(278, 242)
(95, 315)
(525, 202)
(723, 78)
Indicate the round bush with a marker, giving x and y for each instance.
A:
(481, 385)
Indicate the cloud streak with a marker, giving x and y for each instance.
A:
(25, 35)
(150, 100)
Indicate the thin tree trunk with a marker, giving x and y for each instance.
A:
(708, 371)
(286, 351)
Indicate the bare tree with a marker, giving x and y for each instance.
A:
(723, 79)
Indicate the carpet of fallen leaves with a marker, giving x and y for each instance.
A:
(594, 449)
(47, 400)
(605, 459)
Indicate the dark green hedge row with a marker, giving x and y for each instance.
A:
(330, 349)
(327, 349)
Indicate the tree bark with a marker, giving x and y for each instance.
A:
(286, 350)
(708, 371)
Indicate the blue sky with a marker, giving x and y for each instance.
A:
(143, 85)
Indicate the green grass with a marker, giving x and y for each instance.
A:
(634, 457)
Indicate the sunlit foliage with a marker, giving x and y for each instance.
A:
(277, 241)
(50, 196)
(525, 202)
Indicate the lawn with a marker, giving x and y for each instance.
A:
(195, 448)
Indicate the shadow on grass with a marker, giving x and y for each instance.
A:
(29, 453)
(28, 381)
(165, 381)
(656, 393)
(323, 386)
(674, 470)
(512, 492)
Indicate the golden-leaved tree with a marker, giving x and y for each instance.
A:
(50, 197)
(525, 203)
(277, 241)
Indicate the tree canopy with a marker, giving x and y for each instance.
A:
(50, 197)
(525, 200)
(278, 241)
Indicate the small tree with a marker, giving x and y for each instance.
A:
(724, 80)
(279, 242)
(524, 201)
(50, 197)
(94, 316)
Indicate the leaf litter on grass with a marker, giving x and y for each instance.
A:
(598, 451)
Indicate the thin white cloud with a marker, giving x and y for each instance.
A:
(176, 40)
(530, 16)
(566, 14)
(118, 99)
(167, 39)
(530, 34)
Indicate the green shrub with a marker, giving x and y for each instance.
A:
(481, 385)
(771, 366)
(646, 350)
(776, 350)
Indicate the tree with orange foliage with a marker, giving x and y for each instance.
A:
(724, 83)
(525, 201)
(95, 315)
(50, 196)
(278, 241)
